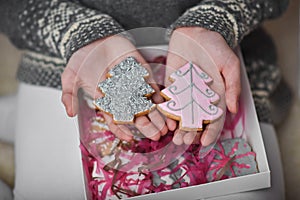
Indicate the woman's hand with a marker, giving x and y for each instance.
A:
(89, 65)
(210, 51)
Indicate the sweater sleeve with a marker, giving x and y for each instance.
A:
(233, 19)
(53, 27)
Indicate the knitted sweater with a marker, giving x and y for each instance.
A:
(50, 31)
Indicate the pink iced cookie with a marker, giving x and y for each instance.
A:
(190, 100)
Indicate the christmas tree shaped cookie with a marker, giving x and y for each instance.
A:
(126, 92)
(190, 100)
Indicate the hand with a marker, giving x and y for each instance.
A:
(210, 51)
(89, 65)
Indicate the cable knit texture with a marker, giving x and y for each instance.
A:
(233, 19)
(58, 28)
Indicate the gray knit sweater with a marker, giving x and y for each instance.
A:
(50, 31)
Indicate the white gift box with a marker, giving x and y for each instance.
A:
(253, 136)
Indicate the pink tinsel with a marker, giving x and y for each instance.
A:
(134, 165)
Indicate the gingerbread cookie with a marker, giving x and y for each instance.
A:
(189, 99)
(126, 92)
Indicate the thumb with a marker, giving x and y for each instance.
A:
(174, 62)
(69, 92)
(231, 74)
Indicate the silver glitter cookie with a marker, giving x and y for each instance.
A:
(125, 92)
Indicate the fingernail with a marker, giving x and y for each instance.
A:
(128, 138)
(156, 137)
(177, 141)
(204, 140)
(69, 112)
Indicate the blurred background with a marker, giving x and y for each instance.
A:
(285, 32)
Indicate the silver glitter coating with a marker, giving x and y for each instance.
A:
(125, 91)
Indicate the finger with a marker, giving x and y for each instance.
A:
(172, 124)
(147, 128)
(211, 133)
(71, 104)
(231, 74)
(69, 92)
(178, 137)
(127, 134)
(158, 121)
(120, 131)
(189, 137)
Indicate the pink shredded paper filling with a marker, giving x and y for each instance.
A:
(135, 177)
